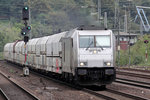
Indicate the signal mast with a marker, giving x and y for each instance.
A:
(25, 32)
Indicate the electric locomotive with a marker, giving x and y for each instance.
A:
(85, 55)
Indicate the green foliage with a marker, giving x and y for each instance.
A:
(123, 58)
(8, 33)
(137, 60)
(137, 53)
(1, 56)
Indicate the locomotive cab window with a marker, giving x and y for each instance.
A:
(103, 41)
(94, 41)
(86, 41)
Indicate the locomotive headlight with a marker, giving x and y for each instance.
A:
(107, 63)
(94, 51)
(83, 63)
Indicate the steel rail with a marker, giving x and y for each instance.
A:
(109, 97)
(98, 94)
(133, 83)
(19, 86)
(127, 95)
(133, 69)
(133, 74)
(3, 94)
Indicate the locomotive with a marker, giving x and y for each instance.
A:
(85, 55)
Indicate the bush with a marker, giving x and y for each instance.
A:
(137, 60)
(124, 59)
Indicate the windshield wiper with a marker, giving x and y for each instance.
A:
(89, 45)
(99, 45)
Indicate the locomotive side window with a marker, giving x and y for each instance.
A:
(103, 41)
(86, 41)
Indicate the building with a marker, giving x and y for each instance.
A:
(124, 39)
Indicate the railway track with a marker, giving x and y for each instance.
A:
(133, 69)
(102, 94)
(13, 90)
(133, 83)
(107, 94)
(3, 96)
(110, 94)
(133, 74)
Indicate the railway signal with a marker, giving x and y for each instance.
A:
(146, 41)
(25, 13)
(25, 30)
(28, 28)
(146, 53)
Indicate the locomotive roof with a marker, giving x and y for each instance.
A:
(91, 27)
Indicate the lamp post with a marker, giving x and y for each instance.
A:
(129, 32)
(125, 21)
(99, 12)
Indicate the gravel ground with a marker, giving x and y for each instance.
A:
(43, 88)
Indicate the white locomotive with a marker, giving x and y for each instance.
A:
(85, 55)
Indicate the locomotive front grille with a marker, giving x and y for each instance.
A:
(95, 74)
(101, 75)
